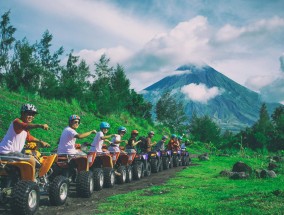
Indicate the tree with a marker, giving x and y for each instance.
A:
(204, 129)
(50, 64)
(277, 142)
(120, 88)
(25, 70)
(6, 44)
(171, 113)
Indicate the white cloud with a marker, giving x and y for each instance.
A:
(282, 62)
(257, 82)
(99, 16)
(200, 92)
(274, 92)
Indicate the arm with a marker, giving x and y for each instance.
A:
(81, 136)
(33, 126)
(135, 143)
(39, 143)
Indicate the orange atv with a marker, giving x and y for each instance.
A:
(20, 188)
(76, 168)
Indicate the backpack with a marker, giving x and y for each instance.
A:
(142, 146)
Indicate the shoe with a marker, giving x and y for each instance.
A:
(117, 173)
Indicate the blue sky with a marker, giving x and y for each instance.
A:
(243, 39)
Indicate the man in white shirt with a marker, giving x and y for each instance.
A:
(69, 136)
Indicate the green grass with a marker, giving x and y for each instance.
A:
(200, 190)
(55, 113)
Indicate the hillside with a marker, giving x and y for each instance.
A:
(234, 107)
(55, 114)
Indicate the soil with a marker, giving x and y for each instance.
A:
(75, 205)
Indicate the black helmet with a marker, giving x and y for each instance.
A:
(28, 108)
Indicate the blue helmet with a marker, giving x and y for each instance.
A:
(104, 125)
(174, 136)
(73, 117)
(180, 137)
(122, 129)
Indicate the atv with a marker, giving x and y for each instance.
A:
(185, 159)
(137, 167)
(76, 168)
(155, 160)
(22, 190)
(167, 159)
(141, 161)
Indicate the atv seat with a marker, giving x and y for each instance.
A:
(13, 158)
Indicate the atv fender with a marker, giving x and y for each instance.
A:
(46, 163)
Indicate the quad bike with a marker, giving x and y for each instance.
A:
(176, 157)
(20, 188)
(76, 168)
(142, 162)
(185, 159)
(167, 159)
(155, 160)
(134, 164)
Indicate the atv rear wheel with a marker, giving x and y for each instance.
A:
(25, 197)
(161, 168)
(85, 184)
(166, 162)
(175, 161)
(109, 177)
(58, 190)
(137, 171)
(122, 178)
(129, 174)
(154, 165)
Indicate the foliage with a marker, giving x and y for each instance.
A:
(171, 113)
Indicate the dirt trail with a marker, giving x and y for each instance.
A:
(76, 206)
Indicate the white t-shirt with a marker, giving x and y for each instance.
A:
(67, 141)
(97, 143)
(113, 141)
(13, 142)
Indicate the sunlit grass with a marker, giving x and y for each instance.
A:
(200, 190)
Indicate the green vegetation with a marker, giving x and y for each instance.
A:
(199, 189)
(55, 114)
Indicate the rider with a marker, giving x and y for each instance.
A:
(132, 140)
(173, 144)
(100, 137)
(19, 132)
(149, 143)
(161, 144)
(116, 140)
(67, 142)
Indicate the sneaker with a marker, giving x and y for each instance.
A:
(117, 173)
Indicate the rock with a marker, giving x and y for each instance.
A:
(241, 167)
(226, 173)
(277, 158)
(203, 157)
(267, 174)
(272, 166)
(239, 175)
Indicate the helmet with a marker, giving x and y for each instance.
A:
(104, 125)
(122, 129)
(151, 132)
(134, 132)
(179, 137)
(174, 136)
(28, 108)
(164, 137)
(74, 117)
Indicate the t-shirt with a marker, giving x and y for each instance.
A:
(160, 146)
(15, 138)
(130, 142)
(97, 143)
(115, 146)
(67, 141)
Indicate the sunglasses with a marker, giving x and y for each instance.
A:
(76, 122)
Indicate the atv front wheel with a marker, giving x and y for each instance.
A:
(175, 161)
(147, 169)
(137, 171)
(154, 165)
(122, 178)
(25, 198)
(129, 175)
(58, 190)
(166, 162)
(85, 184)
(109, 177)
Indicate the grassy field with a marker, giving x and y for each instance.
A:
(55, 114)
(199, 189)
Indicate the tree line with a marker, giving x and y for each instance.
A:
(34, 68)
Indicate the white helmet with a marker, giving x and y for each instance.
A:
(28, 108)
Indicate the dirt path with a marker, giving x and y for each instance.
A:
(76, 206)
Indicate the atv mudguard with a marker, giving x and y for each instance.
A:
(46, 163)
